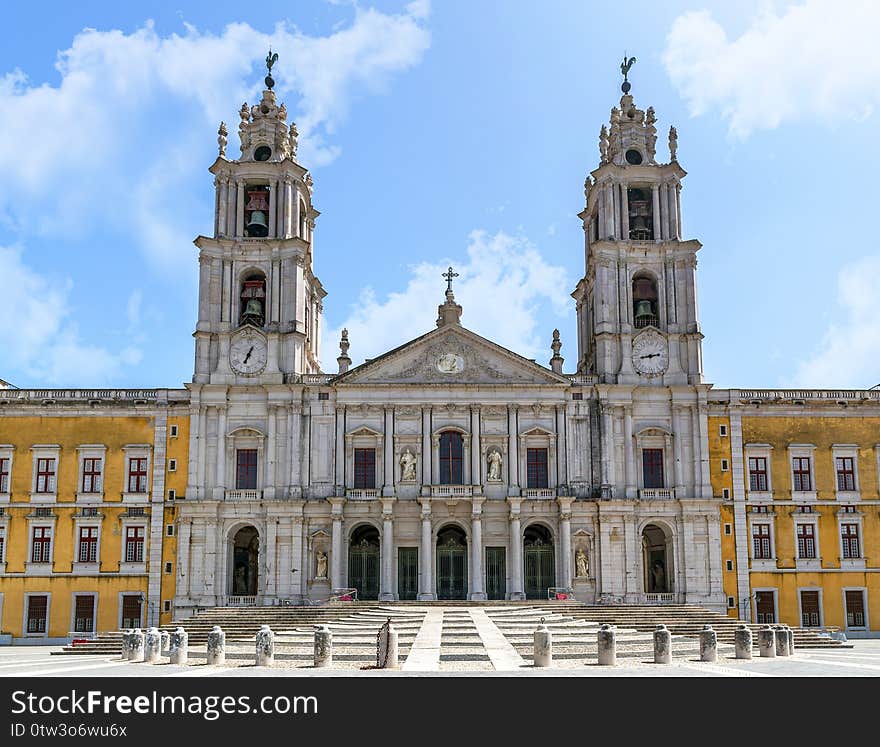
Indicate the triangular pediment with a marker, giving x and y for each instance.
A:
(447, 355)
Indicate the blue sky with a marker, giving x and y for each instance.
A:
(446, 133)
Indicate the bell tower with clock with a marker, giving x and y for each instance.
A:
(259, 301)
(637, 302)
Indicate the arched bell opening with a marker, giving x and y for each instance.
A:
(644, 298)
(641, 213)
(252, 307)
(256, 211)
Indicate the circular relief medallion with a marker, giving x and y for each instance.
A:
(450, 363)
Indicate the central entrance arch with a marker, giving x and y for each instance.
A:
(363, 562)
(451, 563)
(245, 556)
(538, 561)
(657, 559)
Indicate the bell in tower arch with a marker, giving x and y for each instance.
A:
(256, 210)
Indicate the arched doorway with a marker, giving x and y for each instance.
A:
(245, 556)
(451, 563)
(657, 559)
(538, 561)
(363, 562)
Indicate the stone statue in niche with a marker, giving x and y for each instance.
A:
(239, 583)
(494, 460)
(407, 466)
(581, 563)
(320, 564)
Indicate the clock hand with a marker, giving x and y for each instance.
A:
(248, 354)
(650, 355)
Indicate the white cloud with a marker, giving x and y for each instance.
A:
(39, 339)
(502, 286)
(133, 118)
(814, 59)
(847, 355)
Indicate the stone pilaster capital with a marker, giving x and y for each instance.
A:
(388, 508)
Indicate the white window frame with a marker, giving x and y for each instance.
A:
(851, 451)
(758, 451)
(86, 569)
(851, 518)
(807, 563)
(135, 567)
(172, 465)
(24, 614)
(725, 465)
(4, 535)
(7, 451)
(32, 523)
(728, 566)
(723, 430)
(864, 590)
(821, 605)
(245, 437)
(173, 430)
(90, 451)
(137, 451)
(45, 451)
(73, 596)
(654, 438)
(364, 437)
(765, 564)
(800, 451)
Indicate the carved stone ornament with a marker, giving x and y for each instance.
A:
(450, 363)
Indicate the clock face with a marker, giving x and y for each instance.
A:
(650, 355)
(247, 354)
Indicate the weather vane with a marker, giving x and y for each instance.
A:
(624, 69)
(271, 59)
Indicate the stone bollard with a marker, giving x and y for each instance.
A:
(136, 650)
(708, 644)
(607, 646)
(153, 646)
(767, 642)
(781, 641)
(323, 646)
(543, 640)
(790, 640)
(662, 645)
(166, 641)
(125, 652)
(216, 646)
(265, 653)
(742, 640)
(178, 646)
(388, 652)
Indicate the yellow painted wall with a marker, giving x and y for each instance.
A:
(719, 449)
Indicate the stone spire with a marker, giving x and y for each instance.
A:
(557, 360)
(343, 360)
(449, 312)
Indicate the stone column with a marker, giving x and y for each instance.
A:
(336, 544)
(288, 207)
(294, 429)
(628, 450)
(607, 441)
(565, 542)
(339, 456)
(513, 450)
(673, 212)
(516, 579)
(386, 589)
(655, 197)
(477, 592)
(269, 484)
(426, 448)
(678, 210)
(664, 210)
(624, 213)
(183, 540)
(476, 455)
(676, 444)
(239, 207)
(561, 452)
(426, 561)
(222, 202)
(273, 207)
(388, 452)
(297, 565)
(271, 553)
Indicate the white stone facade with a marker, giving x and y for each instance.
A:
(574, 449)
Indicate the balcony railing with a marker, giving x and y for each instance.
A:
(657, 494)
(662, 598)
(648, 320)
(455, 491)
(241, 601)
(244, 495)
(538, 493)
(362, 494)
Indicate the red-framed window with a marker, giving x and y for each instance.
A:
(4, 475)
(38, 606)
(451, 458)
(536, 468)
(131, 611)
(758, 474)
(761, 541)
(652, 468)
(246, 469)
(810, 616)
(134, 545)
(137, 474)
(806, 541)
(855, 609)
(849, 535)
(45, 475)
(800, 469)
(88, 545)
(846, 473)
(365, 468)
(91, 475)
(41, 545)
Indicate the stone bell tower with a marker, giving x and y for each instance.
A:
(259, 302)
(637, 302)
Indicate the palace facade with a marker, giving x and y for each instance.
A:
(449, 467)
